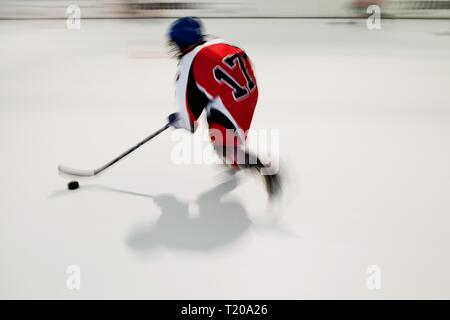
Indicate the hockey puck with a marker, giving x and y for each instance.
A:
(72, 185)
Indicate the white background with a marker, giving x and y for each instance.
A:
(210, 8)
(364, 127)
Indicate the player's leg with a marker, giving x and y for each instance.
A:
(228, 143)
(272, 180)
(225, 143)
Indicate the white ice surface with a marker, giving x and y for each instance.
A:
(364, 120)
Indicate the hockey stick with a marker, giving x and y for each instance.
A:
(91, 173)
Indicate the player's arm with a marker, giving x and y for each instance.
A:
(194, 104)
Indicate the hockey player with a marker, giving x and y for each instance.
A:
(217, 77)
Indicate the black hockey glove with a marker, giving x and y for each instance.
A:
(175, 120)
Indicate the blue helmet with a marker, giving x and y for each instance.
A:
(186, 31)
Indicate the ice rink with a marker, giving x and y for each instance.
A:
(364, 124)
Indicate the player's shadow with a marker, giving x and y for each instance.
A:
(218, 222)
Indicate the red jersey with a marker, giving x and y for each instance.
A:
(218, 77)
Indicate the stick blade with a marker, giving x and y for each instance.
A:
(75, 172)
